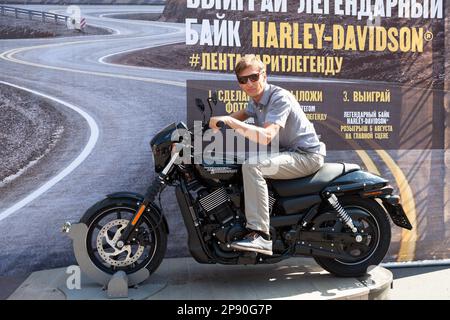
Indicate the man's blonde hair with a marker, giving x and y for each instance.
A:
(247, 61)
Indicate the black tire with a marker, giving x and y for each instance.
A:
(381, 229)
(152, 220)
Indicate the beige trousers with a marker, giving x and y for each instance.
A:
(283, 165)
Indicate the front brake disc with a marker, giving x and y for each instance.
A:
(107, 249)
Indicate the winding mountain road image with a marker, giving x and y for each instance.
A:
(112, 113)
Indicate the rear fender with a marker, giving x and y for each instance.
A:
(369, 185)
(355, 182)
(392, 205)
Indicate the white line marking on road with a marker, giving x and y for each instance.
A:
(8, 55)
(66, 171)
(102, 59)
(115, 32)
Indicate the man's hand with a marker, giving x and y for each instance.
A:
(213, 122)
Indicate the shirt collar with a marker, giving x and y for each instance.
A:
(265, 97)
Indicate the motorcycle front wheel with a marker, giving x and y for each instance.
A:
(105, 226)
(372, 222)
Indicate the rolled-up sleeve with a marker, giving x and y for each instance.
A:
(279, 111)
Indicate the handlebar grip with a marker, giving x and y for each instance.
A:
(220, 124)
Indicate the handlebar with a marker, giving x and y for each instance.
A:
(220, 124)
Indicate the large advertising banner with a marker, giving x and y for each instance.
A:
(368, 74)
(85, 87)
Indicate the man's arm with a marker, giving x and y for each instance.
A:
(240, 115)
(256, 134)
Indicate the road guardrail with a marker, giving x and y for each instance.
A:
(45, 16)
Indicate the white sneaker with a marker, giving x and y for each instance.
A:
(253, 242)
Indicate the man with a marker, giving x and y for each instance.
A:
(277, 115)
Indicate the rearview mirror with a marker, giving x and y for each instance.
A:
(199, 103)
(214, 97)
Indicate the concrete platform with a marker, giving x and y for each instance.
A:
(185, 279)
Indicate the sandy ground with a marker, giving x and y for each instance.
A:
(29, 128)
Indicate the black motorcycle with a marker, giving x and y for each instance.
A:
(338, 216)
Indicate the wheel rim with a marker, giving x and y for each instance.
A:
(105, 230)
(357, 252)
(361, 252)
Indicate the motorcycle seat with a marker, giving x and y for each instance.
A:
(314, 183)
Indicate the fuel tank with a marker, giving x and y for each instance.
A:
(216, 174)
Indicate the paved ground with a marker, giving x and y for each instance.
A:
(183, 279)
(9, 284)
(422, 283)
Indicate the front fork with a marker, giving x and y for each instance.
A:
(158, 184)
(130, 231)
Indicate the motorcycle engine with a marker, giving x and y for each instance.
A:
(217, 205)
(221, 208)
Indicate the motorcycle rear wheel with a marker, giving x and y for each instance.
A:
(369, 212)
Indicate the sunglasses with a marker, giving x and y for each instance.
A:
(253, 78)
